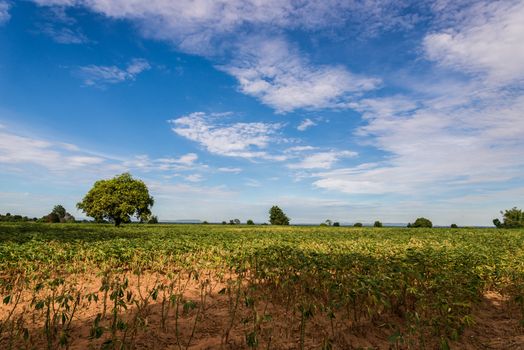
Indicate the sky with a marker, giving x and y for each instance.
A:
(348, 110)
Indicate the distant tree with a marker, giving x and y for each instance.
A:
(323, 224)
(236, 221)
(336, 224)
(205, 222)
(118, 199)
(250, 222)
(421, 222)
(357, 224)
(60, 211)
(454, 226)
(377, 224)
(512, 218)
(277, 216)
(153, 220)
(224, 223)
(328, 222)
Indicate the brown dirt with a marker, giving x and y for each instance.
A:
(496, 323)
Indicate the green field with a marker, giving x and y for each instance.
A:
(417, 287)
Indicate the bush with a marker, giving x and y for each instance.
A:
(357, 224)
(421, 222)
(512, 218)
(377, 224)
(224, 223)
(153, 220)
(250, 222)
(336, 224)
(454, 226)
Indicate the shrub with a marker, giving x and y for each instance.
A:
(454, 226)
(153, 220)
(377, 224)
(250, 222)
(357, 224)
(337, 224)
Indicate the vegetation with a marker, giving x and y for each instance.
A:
(58, 214)
(277, 216)
(250, 222)
(336, 224)
(357, 224)
(512, 218)
(117, 200)
(421, 222)
(377, 224)
(454, 226)
(15, 218)
(429, 279)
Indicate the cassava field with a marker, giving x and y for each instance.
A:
(83, 286)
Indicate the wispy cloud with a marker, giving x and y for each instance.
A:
(101, 76)
(305, 124)
(244, 140)
(4, 12)
(321, 160)
(230, 170)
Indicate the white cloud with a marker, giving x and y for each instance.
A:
(436, 150)
(305, 124)
(487, 39)
(252, 183)
(297, 149)
(4, 12)
(94, 75)
(268, 69)
(244, 140)
(321, 160)
(230, 170)
(194, 178)
(280, 77)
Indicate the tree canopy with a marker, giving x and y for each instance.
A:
(117, 200)
(277, 216)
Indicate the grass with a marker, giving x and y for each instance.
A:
(428, 280)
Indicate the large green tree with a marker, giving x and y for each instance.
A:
(277, 216)
(117, 200)
(512, 218)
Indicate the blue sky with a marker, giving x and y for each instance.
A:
(342, 110)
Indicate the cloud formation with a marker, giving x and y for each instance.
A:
(488, 40)
(244, 140)
(101, 76)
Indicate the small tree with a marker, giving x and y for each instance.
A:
(328, 222)
(377, 224)
(357, 224)
(277, 216)
(118, 199)
(153, 220)
(512, 218)
(250, 222)
(421, 222)
(454, 226)
(336, 224)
